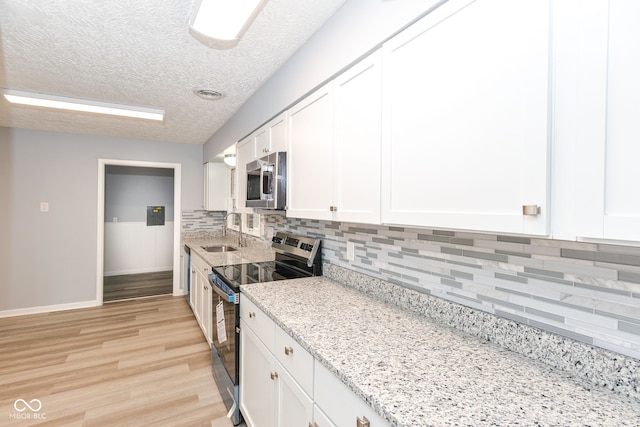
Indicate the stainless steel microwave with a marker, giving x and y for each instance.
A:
(267, 182)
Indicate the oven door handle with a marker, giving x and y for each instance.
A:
(220, 292)
(223, 294)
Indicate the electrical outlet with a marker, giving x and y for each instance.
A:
(44, 207)
(351, 251)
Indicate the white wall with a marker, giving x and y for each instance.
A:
(49, 259)
(354, 30)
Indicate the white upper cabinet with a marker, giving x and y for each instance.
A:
(465, 119)
(216, 186)
(271, 137)
(608, 122)
(310, 156)
(356, 142)
(334, 148)
(245, 153)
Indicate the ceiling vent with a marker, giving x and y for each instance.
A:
(208, 93)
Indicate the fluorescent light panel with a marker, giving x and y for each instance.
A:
(225, 19)
(74, 104)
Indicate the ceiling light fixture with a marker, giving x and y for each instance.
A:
(230, 160)
(224, 21)
(83, 105)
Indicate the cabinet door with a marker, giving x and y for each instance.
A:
(206, 311)
(295, 407)
(465, 138)
(257, 387)
(244, 155)
(320, 419)
(607, 205)
(272, 137)
(339, 403)
(216, 186)
(356, 167)
(310, 156)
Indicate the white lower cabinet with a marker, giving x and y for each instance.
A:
(269, 395)
(201, 294)
(281, 384)
(257, 387)
(320, 419)
(341, 405)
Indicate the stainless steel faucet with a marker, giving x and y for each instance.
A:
(241, 242)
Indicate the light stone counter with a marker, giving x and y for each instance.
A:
(255, 251)
(414, 372)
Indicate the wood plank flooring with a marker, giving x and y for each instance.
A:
(131, 363)
(127, 286)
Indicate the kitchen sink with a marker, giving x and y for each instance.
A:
(219, 248)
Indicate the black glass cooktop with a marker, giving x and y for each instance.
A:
(258, 272)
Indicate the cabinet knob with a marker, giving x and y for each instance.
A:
(273, 375)
(288, 351)
(252, 315)
(333, 208)
(362, 422)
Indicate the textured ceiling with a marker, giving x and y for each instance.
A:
(140, 53)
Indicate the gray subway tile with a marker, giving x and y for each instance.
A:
(515, 239)
(462, 274)
(384, 241)
(627, 276)
(449, 282)
(451, 251)
(632, 328)
(461, 241)
(362, 230)
(578, 254)
(432, 238)
(542, 272)
(510, 277)
(444, 232)
(540, 313)
(485, 255)
(614, 258)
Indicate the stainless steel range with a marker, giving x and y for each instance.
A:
(296, 257)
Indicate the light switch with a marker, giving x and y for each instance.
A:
(44, 206)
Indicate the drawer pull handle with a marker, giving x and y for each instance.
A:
(273, 375)
(362, 422)
(288, 351)
(252, 315)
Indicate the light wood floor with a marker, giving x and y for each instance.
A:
(131, 363)
(127, 286)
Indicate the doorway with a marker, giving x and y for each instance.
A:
(138, 230)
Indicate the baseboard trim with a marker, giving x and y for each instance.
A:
(47, 308)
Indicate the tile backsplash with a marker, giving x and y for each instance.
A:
(193, 221)
(589, 292)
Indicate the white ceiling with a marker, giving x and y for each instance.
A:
(140, 53)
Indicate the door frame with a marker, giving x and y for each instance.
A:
(177, 218)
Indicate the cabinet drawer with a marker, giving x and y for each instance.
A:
(339, 403)
(295, 359)
(258, 321)
(198, 264)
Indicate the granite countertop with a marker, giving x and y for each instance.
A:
(254, 251)
(414, 372)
